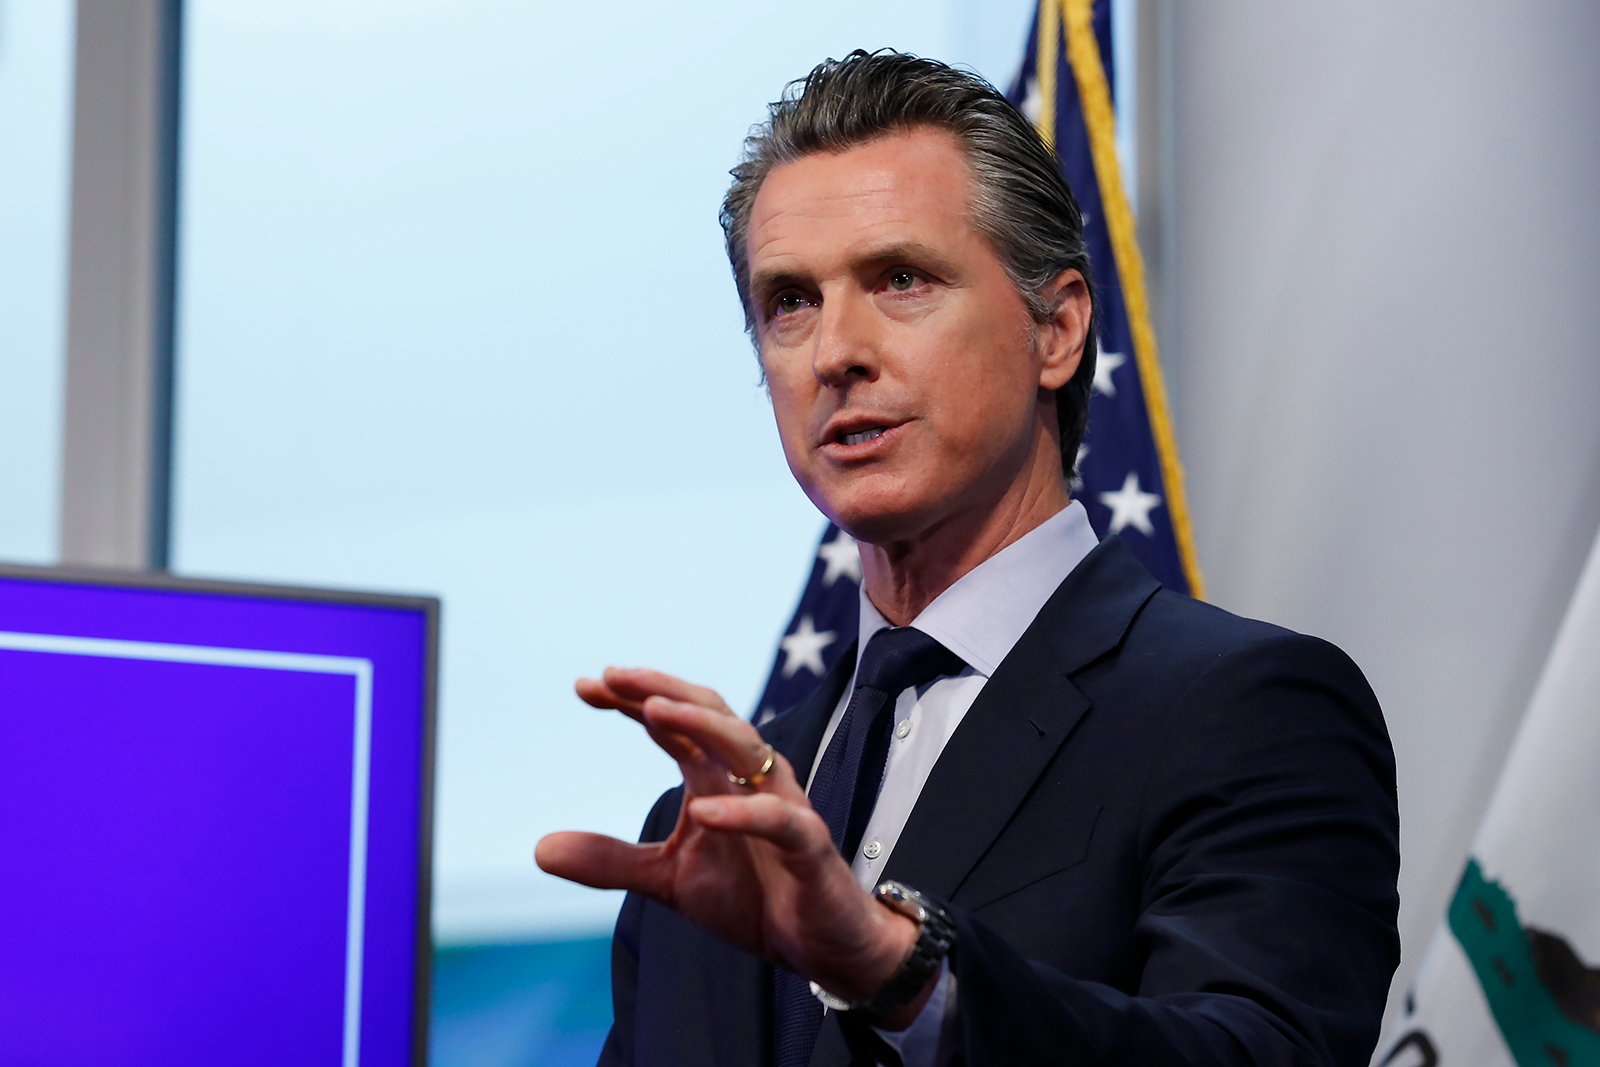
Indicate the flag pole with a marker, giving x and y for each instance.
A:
(1045, 62)
(1083, 52)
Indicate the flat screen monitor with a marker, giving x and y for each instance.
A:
(215, 810)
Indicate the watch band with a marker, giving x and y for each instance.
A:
(935, 937)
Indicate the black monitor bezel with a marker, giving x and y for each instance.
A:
(430, 607)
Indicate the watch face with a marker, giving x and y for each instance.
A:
(905, 900)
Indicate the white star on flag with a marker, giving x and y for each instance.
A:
(1077, 467)
(803, 648)
(1104, 364)
(1032, 102)
(1130, 506)
(842, 557)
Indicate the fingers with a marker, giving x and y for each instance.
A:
(795, 829)
(693, 725)
(761, 814)
(730, 742)
(638, 684)
(597, 694)
(625, 689)
(600, 861)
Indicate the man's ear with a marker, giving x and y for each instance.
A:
(1062, 338)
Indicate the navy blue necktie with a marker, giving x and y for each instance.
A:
(845, 790)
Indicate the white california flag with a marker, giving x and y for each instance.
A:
(1513, 973)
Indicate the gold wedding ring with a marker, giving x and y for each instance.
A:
(761, 775)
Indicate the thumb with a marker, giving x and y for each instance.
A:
(600, 861)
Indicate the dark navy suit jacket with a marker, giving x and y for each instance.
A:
(1166, 835)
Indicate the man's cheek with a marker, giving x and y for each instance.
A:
(790, 416)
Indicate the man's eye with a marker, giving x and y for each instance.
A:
(789, 303)
(902, 280)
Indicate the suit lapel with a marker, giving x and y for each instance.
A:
(1018, 723)
(1003, 744)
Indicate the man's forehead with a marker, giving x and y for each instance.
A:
(871, 232)
(904, 188)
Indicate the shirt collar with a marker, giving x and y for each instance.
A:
(985, 613)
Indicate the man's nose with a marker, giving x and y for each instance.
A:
(847, 342)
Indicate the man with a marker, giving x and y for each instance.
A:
(1105, 824)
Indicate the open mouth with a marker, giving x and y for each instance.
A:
(861, 436)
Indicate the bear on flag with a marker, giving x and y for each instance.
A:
(1512, 976)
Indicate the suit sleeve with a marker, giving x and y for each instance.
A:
(619, 1046)
(1270, 849)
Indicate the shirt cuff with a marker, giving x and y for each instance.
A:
(918, 1044)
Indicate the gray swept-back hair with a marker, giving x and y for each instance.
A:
(1021, 203)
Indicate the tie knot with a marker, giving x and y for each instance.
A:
(903, 657)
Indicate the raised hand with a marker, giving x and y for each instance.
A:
(752, 864)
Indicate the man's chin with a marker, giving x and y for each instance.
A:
(880, 506)
(880, 523)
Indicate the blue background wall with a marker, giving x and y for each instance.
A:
(546, 1003)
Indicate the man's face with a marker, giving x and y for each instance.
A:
(902, 362)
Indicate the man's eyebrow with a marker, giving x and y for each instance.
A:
(904, 252)
(911, 252)
(769, 281)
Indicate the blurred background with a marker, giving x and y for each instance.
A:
(453, 316)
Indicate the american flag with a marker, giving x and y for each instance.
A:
(1129, 476)
(1128, 485)
(824, 624)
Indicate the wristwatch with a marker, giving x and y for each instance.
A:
(935, 937)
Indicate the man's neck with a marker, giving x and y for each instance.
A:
(903, 577)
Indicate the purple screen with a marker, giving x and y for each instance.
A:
(211, 826)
